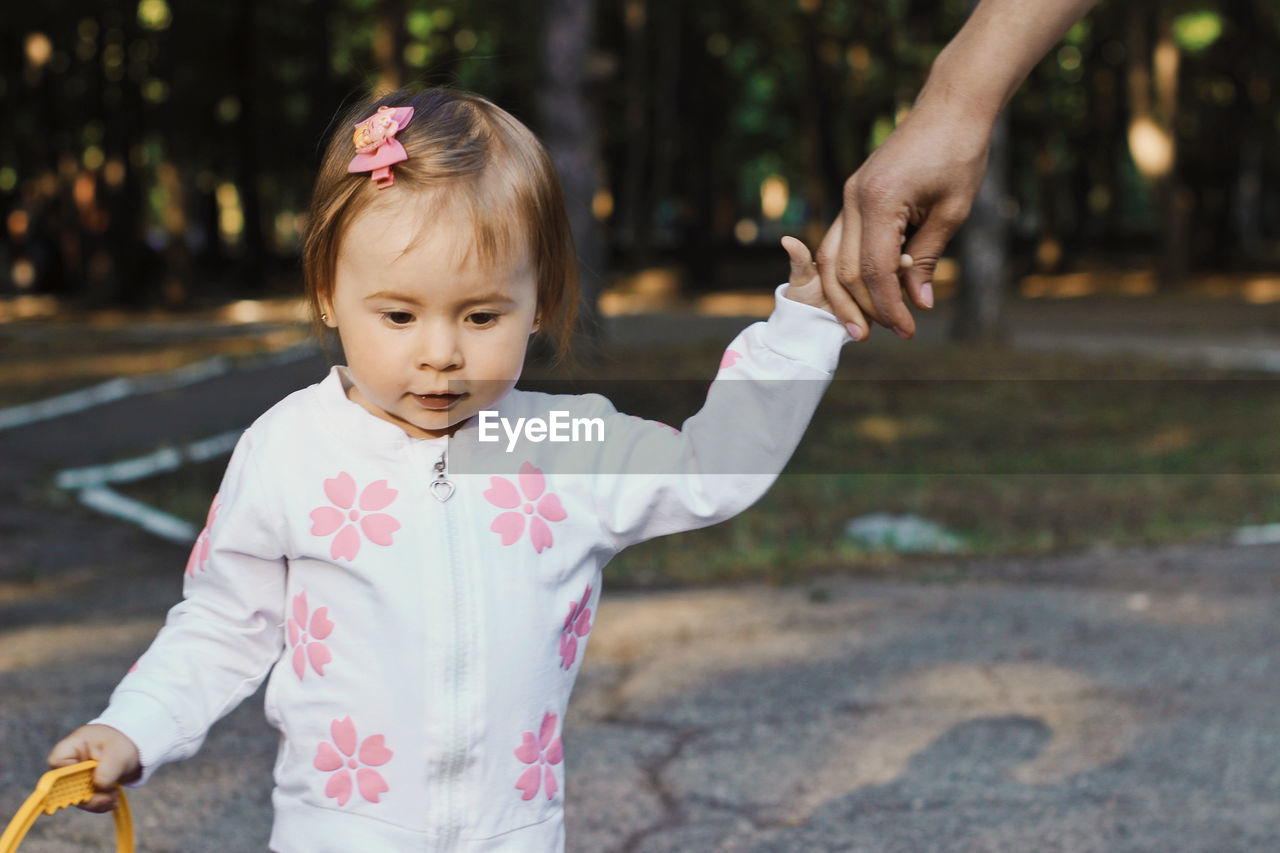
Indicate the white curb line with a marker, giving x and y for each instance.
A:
(118, 389)
(92, 483)
(141, 467)
(1257, 534)
(94, 491)
(110, 502)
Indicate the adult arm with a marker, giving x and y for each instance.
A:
(927, 173)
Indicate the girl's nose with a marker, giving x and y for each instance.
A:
(438, 349)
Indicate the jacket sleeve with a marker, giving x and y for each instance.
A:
(217, 644)
(654, 480)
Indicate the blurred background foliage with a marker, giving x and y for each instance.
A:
(159, 153)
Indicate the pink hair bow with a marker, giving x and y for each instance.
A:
(376, 147)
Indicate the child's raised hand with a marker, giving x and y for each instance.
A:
(804, 285)
(117, 757)
(808, 275)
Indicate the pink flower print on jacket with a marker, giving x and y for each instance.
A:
(510, 525)
(200, 551)
(730, 358)
(305, 636)
(542, 753)
(576, 624)
(344, 759)
(377, 526)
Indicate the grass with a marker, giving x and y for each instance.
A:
(1018, 454)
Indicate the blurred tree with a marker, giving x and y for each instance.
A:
(389, 42)
(153, 150)
(984, 246)
(636, 204)
(984, 249)
(251, 121)
(569, 132)
(1153, 139)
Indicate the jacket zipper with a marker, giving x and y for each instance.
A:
(461, 634)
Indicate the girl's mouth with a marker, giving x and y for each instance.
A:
(438, 402)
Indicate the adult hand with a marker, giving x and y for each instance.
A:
(924, 177)
(927, 173)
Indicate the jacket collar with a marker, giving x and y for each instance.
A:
(349, 421)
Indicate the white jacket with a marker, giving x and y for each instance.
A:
(421, 652)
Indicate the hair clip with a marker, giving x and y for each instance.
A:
(376, 147)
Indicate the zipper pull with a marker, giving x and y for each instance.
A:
(441, 487)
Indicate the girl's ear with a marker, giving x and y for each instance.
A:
(327, 314)
(537, 324)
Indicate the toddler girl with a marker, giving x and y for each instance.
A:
(422, 623)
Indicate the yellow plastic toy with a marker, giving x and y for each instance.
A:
(57, 789)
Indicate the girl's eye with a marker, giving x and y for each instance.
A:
(397, 318)
(483, 318)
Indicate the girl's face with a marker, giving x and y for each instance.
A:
(431, 336)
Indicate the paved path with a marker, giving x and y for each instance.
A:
(1120, 702)
(1089, 702)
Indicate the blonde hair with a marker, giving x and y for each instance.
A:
(473, 156)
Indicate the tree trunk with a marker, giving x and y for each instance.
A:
(126, 281)
(666, 105)
(1153, 100)
(1247, 200)
(984, 249)
(1176, 201)
(389, 39)
(569, 131)
(248, 137)
(323, 93)
(634, 210)
(823, 175)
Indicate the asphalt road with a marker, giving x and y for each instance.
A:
(1102, 701)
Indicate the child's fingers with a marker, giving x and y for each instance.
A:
(80, 746)
(64, 754)
(803, 269)
(113, 766)
(76, 747)
(102, 802)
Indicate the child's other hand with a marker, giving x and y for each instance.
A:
(118, 761)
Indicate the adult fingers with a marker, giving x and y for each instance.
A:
(843, 304)
(926, 247)
(882, 232)
(846, 255)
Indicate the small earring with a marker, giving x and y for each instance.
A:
(324, 318)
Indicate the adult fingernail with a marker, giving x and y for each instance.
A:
(897, 331)
(926, 293)
(855, 332)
